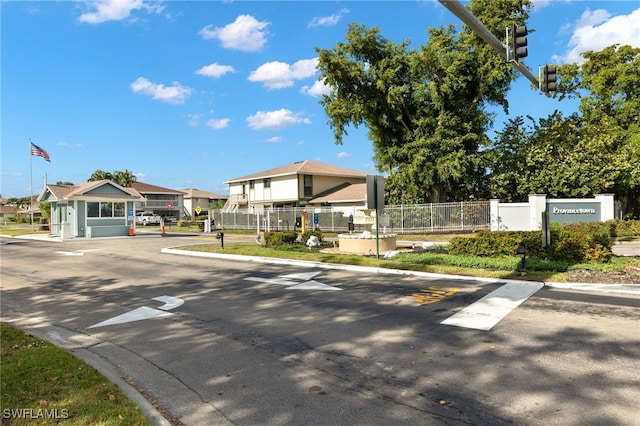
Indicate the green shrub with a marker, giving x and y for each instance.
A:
(498, 243)
(573, 243)
(279, 238)
(624, 228)
(580, 242)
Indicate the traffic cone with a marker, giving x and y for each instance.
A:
(131, 233)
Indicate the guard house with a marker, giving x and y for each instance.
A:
(90, 210)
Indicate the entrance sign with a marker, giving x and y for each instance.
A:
(573, 212)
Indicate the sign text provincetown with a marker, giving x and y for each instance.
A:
(557, 210)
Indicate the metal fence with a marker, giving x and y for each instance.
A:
(401, 219)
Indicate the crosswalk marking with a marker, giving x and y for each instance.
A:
(492, 308)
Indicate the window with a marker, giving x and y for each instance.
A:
(105, 209)
(93, 209)
(267, 182)
(308, 185)
(252, 184)
(118, 210)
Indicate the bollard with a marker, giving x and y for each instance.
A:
(522, 251)
(220, 236)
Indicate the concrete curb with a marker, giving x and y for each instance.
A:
(78, 345)
(632, 289)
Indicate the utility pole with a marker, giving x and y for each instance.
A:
(478, 27)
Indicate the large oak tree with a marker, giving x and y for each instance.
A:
(426, 108)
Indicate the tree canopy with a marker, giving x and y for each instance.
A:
(424, 108)
(594, 151)
(125, 178)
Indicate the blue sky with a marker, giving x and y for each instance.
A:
(189, 94)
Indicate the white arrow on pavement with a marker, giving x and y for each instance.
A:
(279, 281)
(313, 285)
(169, 302)
(137, 314)
(144, 312)
(292, 281)
(302, 275)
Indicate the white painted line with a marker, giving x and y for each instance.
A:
(74, 253)
(137, 314)
(492, 308)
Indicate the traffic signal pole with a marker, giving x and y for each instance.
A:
(478, 27)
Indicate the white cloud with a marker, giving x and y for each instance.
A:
(194, 120)
(65, 144)
(274, 139)
(275, 120)
(116, 10)
(343, 154)
(327, 21)
(279, 75)
(318, 89)
(246, 33)
(539, 4)
(215, 70)
(174, 94)
(597, 29)
(218, 123)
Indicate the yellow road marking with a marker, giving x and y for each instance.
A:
(433, 294)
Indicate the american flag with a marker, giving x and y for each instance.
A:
(40, 152)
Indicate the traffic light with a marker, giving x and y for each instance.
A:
(548, 81)
(518, 42)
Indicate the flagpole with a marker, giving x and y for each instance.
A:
(31, 184)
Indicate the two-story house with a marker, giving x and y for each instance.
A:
(292, 185)
(165, 202)
(198, 202)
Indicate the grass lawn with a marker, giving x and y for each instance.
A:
(434, 260)
(45, 385)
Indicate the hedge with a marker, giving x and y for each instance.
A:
(575, 242)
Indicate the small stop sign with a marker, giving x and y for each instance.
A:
(169, 205)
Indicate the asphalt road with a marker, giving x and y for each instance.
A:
(254, 343)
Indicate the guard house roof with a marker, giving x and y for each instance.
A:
(88, 190)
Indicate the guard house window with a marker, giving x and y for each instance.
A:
(93, 209)
(308, 185)
(267, 182)
(252, 184)
(106, 209)
(118, 210)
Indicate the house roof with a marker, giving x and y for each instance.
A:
(196, 193)
(84, 190)
(145, 188)
(306, 167)
(353, 193)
